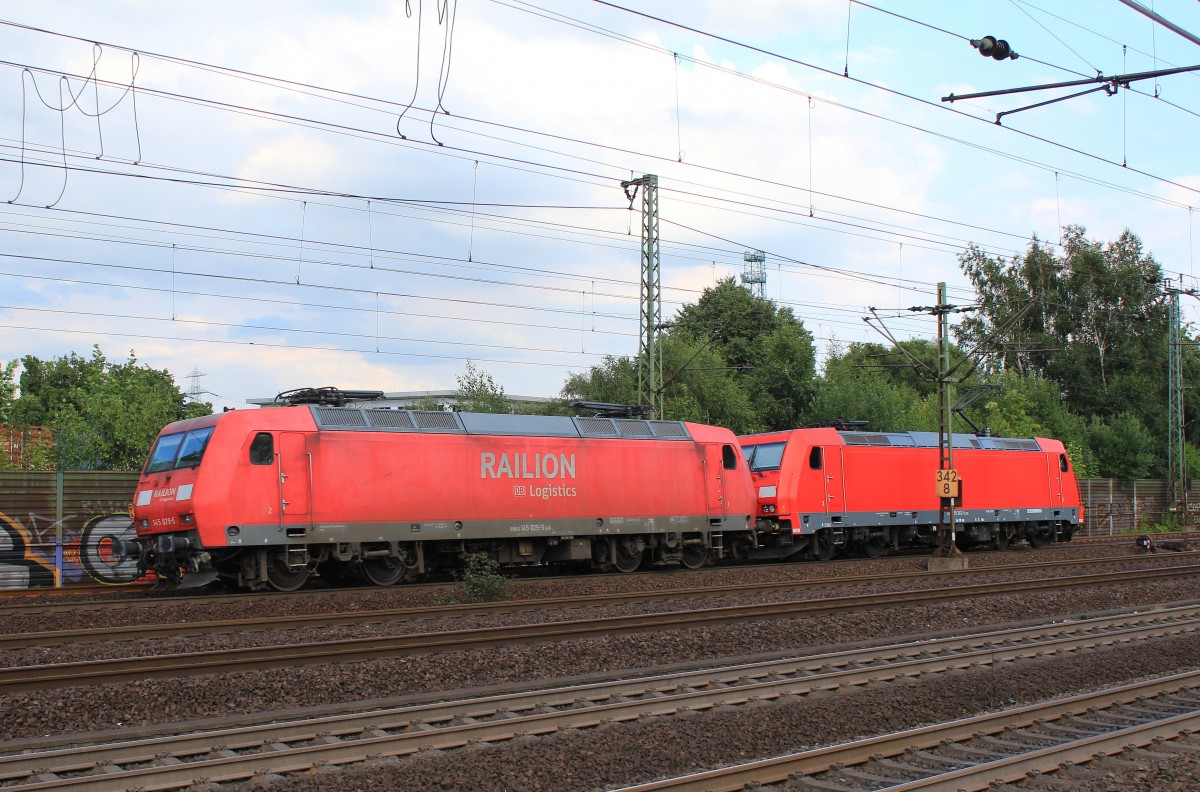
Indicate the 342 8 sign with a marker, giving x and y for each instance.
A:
(948, 483)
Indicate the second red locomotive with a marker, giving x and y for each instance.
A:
(821, 491)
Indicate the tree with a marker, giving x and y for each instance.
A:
(613, 380)
(850, 390)
(730, 359)
(8, 390)
(1096, 325)
(478, 392)
(103, 415)
(1123, 448)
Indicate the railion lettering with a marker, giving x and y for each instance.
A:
(526, 466)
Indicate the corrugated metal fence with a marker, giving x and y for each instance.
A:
(56, 529)
(1115, 506)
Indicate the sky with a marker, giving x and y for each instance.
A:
(264, 196)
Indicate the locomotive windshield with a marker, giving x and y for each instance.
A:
(181, 450)
(764, 457)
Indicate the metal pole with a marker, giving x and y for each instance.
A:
(946, 528)
(650, 365)
(1176, 458)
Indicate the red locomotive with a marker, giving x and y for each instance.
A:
(823, 490)
(267, 497)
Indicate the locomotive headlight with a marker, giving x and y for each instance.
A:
(187, 519)
(145, 523)
(768, 509)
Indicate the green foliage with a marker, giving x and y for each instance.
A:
(1074, 339)
(731, 359)
(428, 404)
(1124, 448)
(614, 380)
(481, 579)
(478, 392)
(103, 415)
(1095, 325)
(852, 390)
(8, 390)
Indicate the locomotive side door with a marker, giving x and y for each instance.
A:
(835, 483)
(716, 458)
(295, 471)
(1056, 463)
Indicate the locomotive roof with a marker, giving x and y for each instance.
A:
(930, 440)
(366, 419)
(904, 439)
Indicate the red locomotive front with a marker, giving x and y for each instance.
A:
(269, 496)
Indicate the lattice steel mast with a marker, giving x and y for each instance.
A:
(650, 366)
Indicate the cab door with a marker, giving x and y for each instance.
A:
(1057, 465)
(295, 478)
(835, 481)
(716, 457)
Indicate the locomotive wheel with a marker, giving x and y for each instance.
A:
(693, 556)
(1000, 539)
(282, 577)
(627, 559)
(873, 546)
(823, 547)
(383, 571)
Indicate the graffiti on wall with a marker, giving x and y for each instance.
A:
(30, 554)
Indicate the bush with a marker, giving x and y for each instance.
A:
(481, 579)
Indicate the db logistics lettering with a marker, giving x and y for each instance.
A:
(526, 466)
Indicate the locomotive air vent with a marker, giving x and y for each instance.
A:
(434, 420)
(390, 419)
(339, 416)
(865, 438)
(633, 428)
(668, 429)
(1016, 445)
(596, 426)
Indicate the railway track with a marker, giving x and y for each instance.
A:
(975, 753)
(139, 596)
(160, 757)
(25, 640)
(71, 674)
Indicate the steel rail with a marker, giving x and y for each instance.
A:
(23, 640)
(350, 737)
(127, 597)
(72, 674)
(819, 760)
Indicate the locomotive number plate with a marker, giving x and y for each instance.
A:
(948, 483)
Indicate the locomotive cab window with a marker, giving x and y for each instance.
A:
(179, 450)
(1063, 465)
(262, 449)
(192, 448)
(765, 456)
(728, 458)
(814, 458)
(163, 455)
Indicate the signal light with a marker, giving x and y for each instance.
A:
(997, 49)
